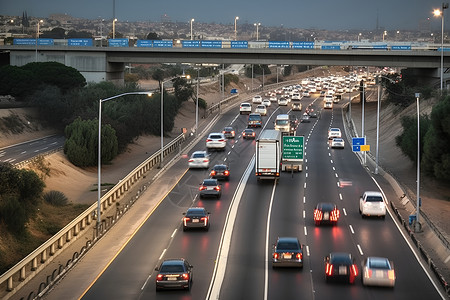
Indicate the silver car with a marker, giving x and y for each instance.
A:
(378, 271)
(199, 159)
(216, 141)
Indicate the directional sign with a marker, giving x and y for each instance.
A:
(293, 147)
(358, 144)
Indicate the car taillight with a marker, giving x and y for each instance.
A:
(355, 270)
(317, 215)
(208, 140)
(159, 277)
(223, 132)
(185, 276)
(253, 134)
(368, 273)
(329, 269)
(232, 132)
(391, 274)
(204, 220)
(221, 140)
(299, 256)
(226, 172)
(191, 160)
(217, 188)
(213, 173)
(334, 215)
(205, 160)
(202, 188)
(185, 220)
(276, 256)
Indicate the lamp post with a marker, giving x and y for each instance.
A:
(257, 30)
(114, 28)
(440, 13)
(359, 36)
(192, 21)
(252, 78)
(418, 227)
(37, 37)
(384, 34)
(196, 105)
(235, 27)
(99, 158)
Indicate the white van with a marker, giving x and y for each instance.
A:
(282, 123)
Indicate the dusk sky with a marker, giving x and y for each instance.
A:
(320, 14)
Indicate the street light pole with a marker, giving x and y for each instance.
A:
(257, 30)
(252, 78)
(378, 123)
(37, 38)
(196, 106)
(438, 12)
(192, 20)
(418, 226)
(114, 28)
(235, 28)
(99, 158)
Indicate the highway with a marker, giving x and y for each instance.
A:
(24, 151)
(265, 210)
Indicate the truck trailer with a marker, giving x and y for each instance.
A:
(268, 155)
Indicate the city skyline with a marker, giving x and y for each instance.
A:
(320, 14)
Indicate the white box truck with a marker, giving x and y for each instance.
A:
(268, 155)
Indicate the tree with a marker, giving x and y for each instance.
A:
(183, 91)
(54, 73)
(407, 141)
(17, 82)
(52, 106)
(55, 33)
(153, 36)
(158, 75)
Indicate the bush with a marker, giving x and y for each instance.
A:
(56, 198)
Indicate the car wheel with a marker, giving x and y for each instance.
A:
(184, 228)
(189, 285)
(360, 210)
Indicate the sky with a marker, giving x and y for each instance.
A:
(309, 14)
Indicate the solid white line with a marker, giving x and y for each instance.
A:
(360, 250)
(266, 263)
(340, 196)
(162, 254)
(145, 283)
(345, 212)
(351, 229)
(173, 234)
(306, 232)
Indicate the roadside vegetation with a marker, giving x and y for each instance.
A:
(434, 128)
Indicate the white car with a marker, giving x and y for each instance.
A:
(216, 140)
(267, 102)
(245, 108)
(306, 94)
(199, 159)
(283, 102)
(257, 99)
(372, 204)
(273, 99)
(337, 143)
(334, 133)
(261, 109)
(378, 271)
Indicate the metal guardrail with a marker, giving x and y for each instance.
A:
(27, 268)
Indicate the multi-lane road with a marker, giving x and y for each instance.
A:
(233, 259)
(27, 150)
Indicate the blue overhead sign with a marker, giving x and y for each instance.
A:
(303, 45)
(79, 42)
(190, 44)
(24, 42)
(118, 42)
(144, 43)
(331, 47)
(211, 44)
(357, 142)
(162, 44)
(279, 44)
(404, 47)
(239, 44)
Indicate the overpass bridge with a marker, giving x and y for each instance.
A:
(108, 63)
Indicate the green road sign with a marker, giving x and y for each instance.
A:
(292, 147)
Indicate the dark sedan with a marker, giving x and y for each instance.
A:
(210, 187)
(340, 266)
(249, 134)
(196, 217)
(174, 274)
(326, 212)
(287, 252)
(220, 172)
(229, 132)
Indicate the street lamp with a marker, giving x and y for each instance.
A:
(114, 28)
(235, 28)
(384, 34)
(257, 30)
(438, 13)
(359, 36)
(162, 117)
(196, 105)
(192, 21)
(37, 37)
(99, 158)
(418, 227)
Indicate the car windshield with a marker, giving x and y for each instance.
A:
(215, 136)
(374, 199)
(379, 264)
(337, 140)
(172, 269)
(228, 129)
(248, 131)
(195, 213)
(220, 168)
(287, 246)
(344, 259)
(210, 182)
(198, 155)
(326, 206)
(282, 122)
(254, 117)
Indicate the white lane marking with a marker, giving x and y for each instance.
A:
(447, 259)
(334, 169)
(331, 161)
(306, 174)
(304, 185)
(162, 254)
(306, 231)
(145, 283)
(173, 233)
(231, 148)
(335, 174)
(306, 168)
(345, 212)
(225, 159)
(360, 250)
(229, 153)
(266, 263)
(307, 250)
(306, 160)
(340, 196)
(351, 229)
(23, 152)
(329, 154)
(304, 214)
(225, 240)
(304, 199)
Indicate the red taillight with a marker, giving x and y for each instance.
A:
(329, 269)
(202, 188)
(159, 277)
(205, 160)
(217, 188)
(334, 215)
(226, 172)
(191, 160)
(213, 173)
(185, 276)
(355, 270)
(276, 256)
(391, 274)
(185, 220)
(317, 215)
(208, 140)
(299, 256)
(232, 132)
(221, 140)
(368, 273)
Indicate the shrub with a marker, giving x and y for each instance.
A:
(56, 198)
